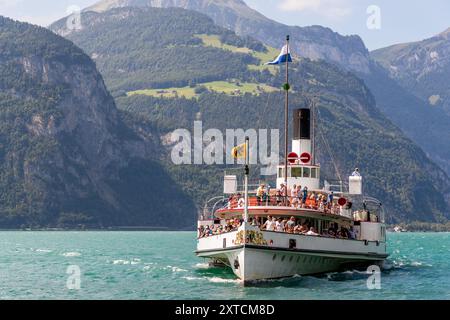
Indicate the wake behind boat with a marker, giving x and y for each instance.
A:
(301, 228)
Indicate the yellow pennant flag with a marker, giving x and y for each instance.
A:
(240, 152)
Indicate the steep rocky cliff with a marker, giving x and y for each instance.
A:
(67, 158)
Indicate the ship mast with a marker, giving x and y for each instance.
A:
(286, 88)
(247, 172)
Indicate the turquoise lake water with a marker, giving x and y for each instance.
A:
(162, 265)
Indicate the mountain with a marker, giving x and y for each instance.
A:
(68, 158)
(397, 171)
(423, 68)
(399, 103)
(175, 40)
(420, 72)
(315, 42)
(427, 126)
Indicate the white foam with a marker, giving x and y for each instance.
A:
(213, 279)
(124, 262)
(192, 278)
(175, 269)
(43, 250)
(71, 254)
(202, 265)
(221, 280)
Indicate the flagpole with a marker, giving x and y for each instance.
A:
(247, 171)
(286, 121)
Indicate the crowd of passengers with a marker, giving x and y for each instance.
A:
(279, 225)
(230, 225)
(299, 198)
(296, 227)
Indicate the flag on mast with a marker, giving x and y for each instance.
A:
(240, 152)
(284, 55)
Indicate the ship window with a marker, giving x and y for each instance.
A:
(292, 243)
(306, 172)
(296, 172)
(313, 173)
(274, 257)
(280, 173)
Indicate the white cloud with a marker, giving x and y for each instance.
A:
(329, 8)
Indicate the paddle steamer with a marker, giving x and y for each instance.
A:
(346, 228)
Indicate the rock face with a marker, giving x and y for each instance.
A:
(420, 72)
(68, 159)
(314, 42)
(421, 67)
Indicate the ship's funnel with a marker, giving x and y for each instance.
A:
(302, 124)
(301, 142)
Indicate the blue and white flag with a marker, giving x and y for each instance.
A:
(284, 55)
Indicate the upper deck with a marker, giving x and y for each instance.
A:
(316, 206)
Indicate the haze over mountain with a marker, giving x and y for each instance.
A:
(67, 157)
(397, 171)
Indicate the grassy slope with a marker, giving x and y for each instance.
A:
(230, 88)
(214, 41)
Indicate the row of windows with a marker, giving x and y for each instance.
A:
(300, 172)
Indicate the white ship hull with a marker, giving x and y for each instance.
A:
(252, 262)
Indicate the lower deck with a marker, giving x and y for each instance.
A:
(260, 255)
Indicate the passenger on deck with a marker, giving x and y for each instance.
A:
(303, 229)
(299, 195)
(283, 193)
(304, 196)
(241, 201)
(291, 223)
(274, 224)
(330, 200)
(351, 234)
(321, 202)
(261, 195)
(312, 201)
(332, 232)
(200, 231)
(294, 199)
(279, 198)
(279, 225)
(231, 201)
(312, 232)
(356, 173)
(268, 224)
(342, 233)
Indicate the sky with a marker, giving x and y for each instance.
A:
(380, 23)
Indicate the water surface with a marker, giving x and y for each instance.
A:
(162, 265)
